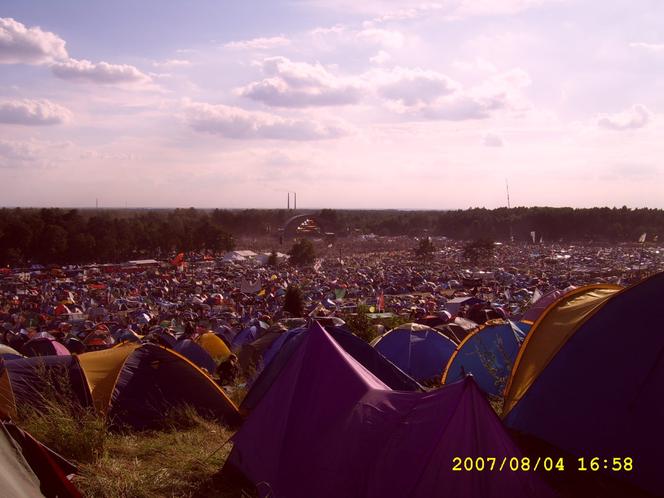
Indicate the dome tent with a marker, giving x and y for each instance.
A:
(599, 393)
(487, 354)
(418, 350)
(327, 427)
(133, 384)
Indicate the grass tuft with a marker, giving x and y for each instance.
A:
(180, 462)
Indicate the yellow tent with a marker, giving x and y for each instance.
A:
(214, 346)
(136, 384)
(102, 369)
(549, 334)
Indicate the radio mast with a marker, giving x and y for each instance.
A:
(509, 208)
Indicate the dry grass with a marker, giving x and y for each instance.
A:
(77, 433)
(178, 462)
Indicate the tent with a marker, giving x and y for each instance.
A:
(137, 384)
(251, 355)
(418, 350)
(249, 334)
(538, 307)
(196, 354)
(16, 477)
(42, 346)
(599, 393)
(328, 427)
(50, 470)
(134, 384)
(549, 333)
(8, 353)
(488, 354)
(290, 341)
(455, 304)
(33, 381)
(215, 346)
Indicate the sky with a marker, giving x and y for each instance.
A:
(351, 104)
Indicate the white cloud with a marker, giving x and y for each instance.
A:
(14, 154)
(408, 13)
(383, 37)
(411, 87)
(299, 84)
(99, 72)
(425, 94)
(650, 47)
(31, 153)
(411, 92)
(380, 58)
(383, 10)
(458, 107)
(22, 45)
(33, 112)
(172, 63)
(636, 117)
(492, 140)
(233, 122)
(468, 8)
(259, 43)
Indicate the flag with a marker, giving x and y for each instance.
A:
(339, 293)
(642, 239)
(536, 296)
(178, 260)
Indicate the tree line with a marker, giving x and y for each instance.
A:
(71, 236)
(86, 235)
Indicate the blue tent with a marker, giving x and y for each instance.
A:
(249, 334)
(196, 354)
(278, 344)
(34, 381)
(601, 394)
(289, 341)
(154, 379)
(488, 354)
(418, 350)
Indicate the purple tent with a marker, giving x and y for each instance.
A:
(42, 346)
(535, 310)
(329, 428)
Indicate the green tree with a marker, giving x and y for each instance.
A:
(302, 253)
(480, 250)
(294, 301)
(273, 260)
(359, 323)
(425, 248)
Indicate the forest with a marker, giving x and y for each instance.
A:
(73, 236)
